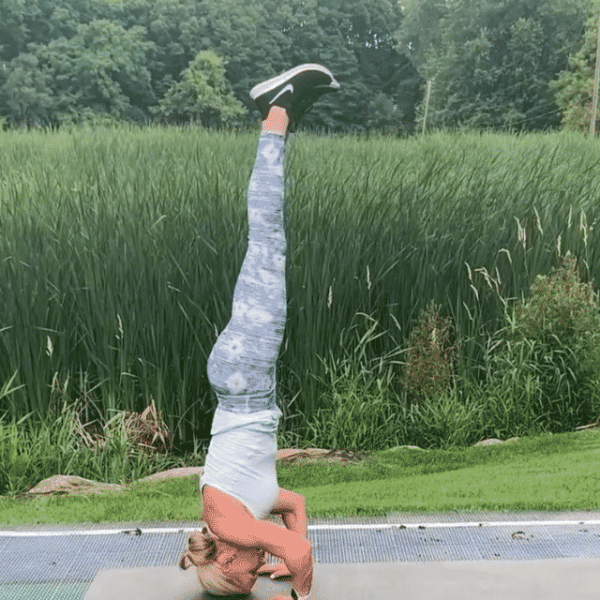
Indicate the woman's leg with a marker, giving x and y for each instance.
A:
(241, 366)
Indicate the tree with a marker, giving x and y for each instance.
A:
(28, 93)
(356, 40)
(13, 34)
(421, 32)
(118, 59)
(203, 95)
(384, 116)
(574, 87)
(102, 69)
(495, 60)
(178, 30)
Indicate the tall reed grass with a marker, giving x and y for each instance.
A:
(120, 249)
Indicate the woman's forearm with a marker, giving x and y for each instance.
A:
(291, 543)
(301, 568)
(296, 520)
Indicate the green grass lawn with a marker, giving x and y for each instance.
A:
(551, 472)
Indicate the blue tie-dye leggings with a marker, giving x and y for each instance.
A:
(241, 366)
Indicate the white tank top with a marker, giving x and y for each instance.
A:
(241, 458)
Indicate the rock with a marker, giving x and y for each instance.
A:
(181, 472)
(62, 485)
(492, 441)
(489, 442)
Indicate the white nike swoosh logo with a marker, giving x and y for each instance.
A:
(288, 87)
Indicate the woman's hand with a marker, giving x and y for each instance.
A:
(276, 570)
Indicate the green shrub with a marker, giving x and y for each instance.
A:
(544, 374)
(32, 450)
(432, 349)
(358, 409)
(453, 420)
(561, 310)
(355, 418)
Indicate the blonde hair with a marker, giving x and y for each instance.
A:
(202, 553)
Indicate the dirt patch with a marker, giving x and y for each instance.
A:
(295, 455)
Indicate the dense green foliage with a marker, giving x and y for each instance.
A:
(121, 249)
(574, 87)
(100, 60)
(202, 95)
(492, 63)
(544, 365)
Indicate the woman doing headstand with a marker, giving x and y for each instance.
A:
(239, 486)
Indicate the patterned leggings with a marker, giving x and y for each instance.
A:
(242, 365)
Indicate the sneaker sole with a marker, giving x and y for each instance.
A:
(271, 84)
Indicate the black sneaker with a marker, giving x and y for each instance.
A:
(295, 90)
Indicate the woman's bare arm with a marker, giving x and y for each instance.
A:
(292, 508)
(229, 521)
(290, 546)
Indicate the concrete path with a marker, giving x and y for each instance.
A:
(456, 580)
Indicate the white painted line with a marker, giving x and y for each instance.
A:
(324, 527)
(456, 525)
